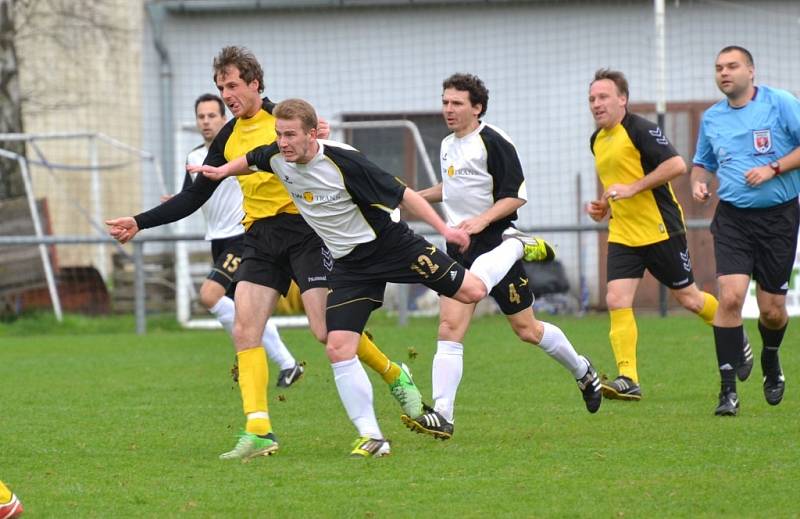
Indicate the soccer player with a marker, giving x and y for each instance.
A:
(347, 200)
(278, 247)
(751, 141)
(10, 505)
(635, 163)
(482, 187)
(224, 229)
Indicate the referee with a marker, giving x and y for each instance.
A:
(751, 142)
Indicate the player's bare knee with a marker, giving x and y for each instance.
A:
(773, 317)
(731, 302)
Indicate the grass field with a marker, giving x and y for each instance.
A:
(114, 425)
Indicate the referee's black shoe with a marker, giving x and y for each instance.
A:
(773, 388)
(728, 404)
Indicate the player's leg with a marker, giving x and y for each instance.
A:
(772, 322)
(489, 268)
(734, 252)
(624, 270)
(310, 260)
(448, 366)
(10, 505)
(217, 292)
(552, 340)
(777, 237)
(728, 332)
(705, 306)
(254, 305)
(347, 313)
(623, 335)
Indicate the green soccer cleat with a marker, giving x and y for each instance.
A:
(365, 447)
(406, 393)
(533, 248)
(251, 445)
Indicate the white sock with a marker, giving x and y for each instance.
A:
(224, 311)
(355, 391)
(492, 266)
(276, 349)
(448, 365)
(556, 344)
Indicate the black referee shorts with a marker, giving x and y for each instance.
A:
(761, 243)
(398, 255)
(280, 248)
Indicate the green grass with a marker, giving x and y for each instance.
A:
(115, 425)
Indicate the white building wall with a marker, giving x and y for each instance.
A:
(537, 59)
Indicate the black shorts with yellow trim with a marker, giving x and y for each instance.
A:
(761, 243)
(398, 255)
(226, 253)
(513, 293)
(668, 261)
(282, 248)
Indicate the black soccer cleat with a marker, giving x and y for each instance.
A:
(589, 385)
(746, 366)
(728, 404)
(289, 376)
(430, 422)
(621, 388)
(773, 388)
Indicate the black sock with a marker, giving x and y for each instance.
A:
(728, 342)
(772, 340)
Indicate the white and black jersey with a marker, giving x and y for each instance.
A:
(344, 197)
(223, 210)
(478, 170)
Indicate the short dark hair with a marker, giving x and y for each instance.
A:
(210, 97)
(478, 93)
(745, 52)
(297, 109)
(616, 77)
(244, 60)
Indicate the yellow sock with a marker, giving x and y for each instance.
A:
(5, 494)
(623, 336)
(253, 378)
(372, 356)
(710, 305)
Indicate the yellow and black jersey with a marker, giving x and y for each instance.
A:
(623, 155)
(263, 194)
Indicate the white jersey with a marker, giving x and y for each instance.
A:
(344, 197)
(478, 170)
(223, 211)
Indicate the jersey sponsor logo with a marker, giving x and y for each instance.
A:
(309, 197)
(762, 141)
(660, 137)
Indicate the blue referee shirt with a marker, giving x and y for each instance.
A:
(732, 141)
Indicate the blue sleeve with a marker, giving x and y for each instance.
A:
(789, 108)
(704, 156)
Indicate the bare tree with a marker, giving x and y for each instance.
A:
(10, 101)
(68, 25)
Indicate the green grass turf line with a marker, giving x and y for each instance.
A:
(115, 425)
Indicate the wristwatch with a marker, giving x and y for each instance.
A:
(776, 167)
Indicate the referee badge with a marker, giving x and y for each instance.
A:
(762, 141)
